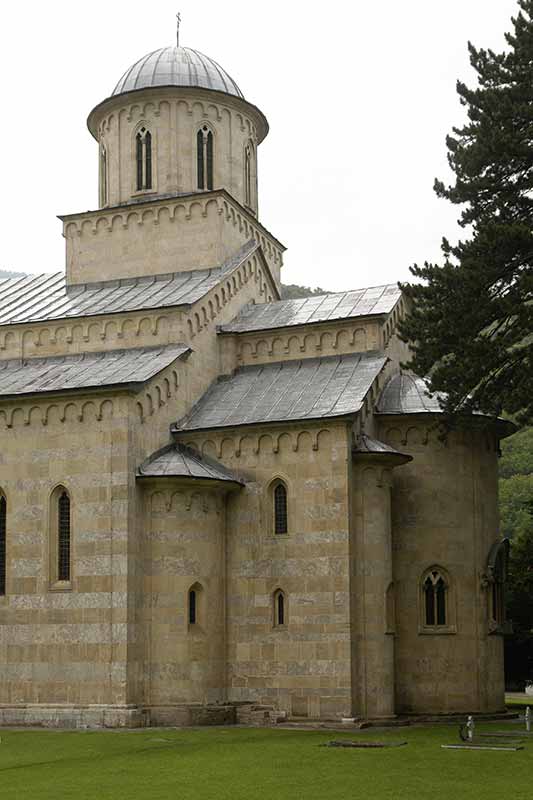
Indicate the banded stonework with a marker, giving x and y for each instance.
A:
(259, 508)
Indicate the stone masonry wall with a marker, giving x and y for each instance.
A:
(302, 667)
(444, 514)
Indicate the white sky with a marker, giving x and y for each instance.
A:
(359, 96)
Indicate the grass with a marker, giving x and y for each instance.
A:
(517, 705)
(256, 764)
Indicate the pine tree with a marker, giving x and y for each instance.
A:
(471, 320)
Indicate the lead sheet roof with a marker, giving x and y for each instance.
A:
(178, 461)
(88, 370)
(318, 308)
(407, 394)
(42, 297)
(291, 390)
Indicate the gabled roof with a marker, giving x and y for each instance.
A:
(42, 297)
(318, 308)
(86, 371)
(292, 390)
(178, 461)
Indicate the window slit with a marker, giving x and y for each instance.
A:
(148, 160)
(63, 538)
(280, 509)
(200, 158)
(192, 607)
(209, 149)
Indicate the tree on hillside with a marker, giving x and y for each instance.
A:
(291, 291)
(471, 320)
(516, 512)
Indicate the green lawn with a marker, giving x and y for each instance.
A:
(256, 764)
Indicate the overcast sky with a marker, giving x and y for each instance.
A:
(359, 96)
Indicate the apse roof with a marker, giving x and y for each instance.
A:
(291, 390)
(42, 297)
(86, 371)
(178, 461)
(317, 308)
(366, 445)
(177, 66)
(406, 393)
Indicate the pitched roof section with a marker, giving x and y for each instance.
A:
(86, 371)
(42, 297)
(178, 461)
(407, 394)
(291, 390)
(318, 308)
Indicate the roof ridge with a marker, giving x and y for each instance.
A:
(86, 355)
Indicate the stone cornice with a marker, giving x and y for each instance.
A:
(164, 202)
(188, 94)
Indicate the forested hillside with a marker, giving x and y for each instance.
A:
(516, 510)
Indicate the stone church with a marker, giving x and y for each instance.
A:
(210, 496)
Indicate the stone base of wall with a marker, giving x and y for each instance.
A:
(257, 715)
(72, 716)
(105, 716)
(185, 715)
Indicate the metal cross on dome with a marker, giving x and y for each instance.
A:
(178, 23)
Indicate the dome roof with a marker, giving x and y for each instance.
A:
(177, 66)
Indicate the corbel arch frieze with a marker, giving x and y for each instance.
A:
(237, 445)
(104, 221)
(43, 414)
(176, 501)
(91, 332)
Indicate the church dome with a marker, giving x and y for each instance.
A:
(177, 66)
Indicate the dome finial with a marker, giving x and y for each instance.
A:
(178, 23)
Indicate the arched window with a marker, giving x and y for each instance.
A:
(3, 532)
(63, 536)
(143, 153)
(435, 590)
(194, 605)
(60, 539)
(280, 508)
(204, 158)
(280, 608)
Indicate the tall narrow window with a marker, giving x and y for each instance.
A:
(103, 176)
(200, 158)
(63, 537)
(209, 154)
(435, 590)
(148, 160)
(192, 607)
(143, 155)
(248, 155)
(280, 509)
(139, 150)
(3, 526)
(280, 611)
(205, 158)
